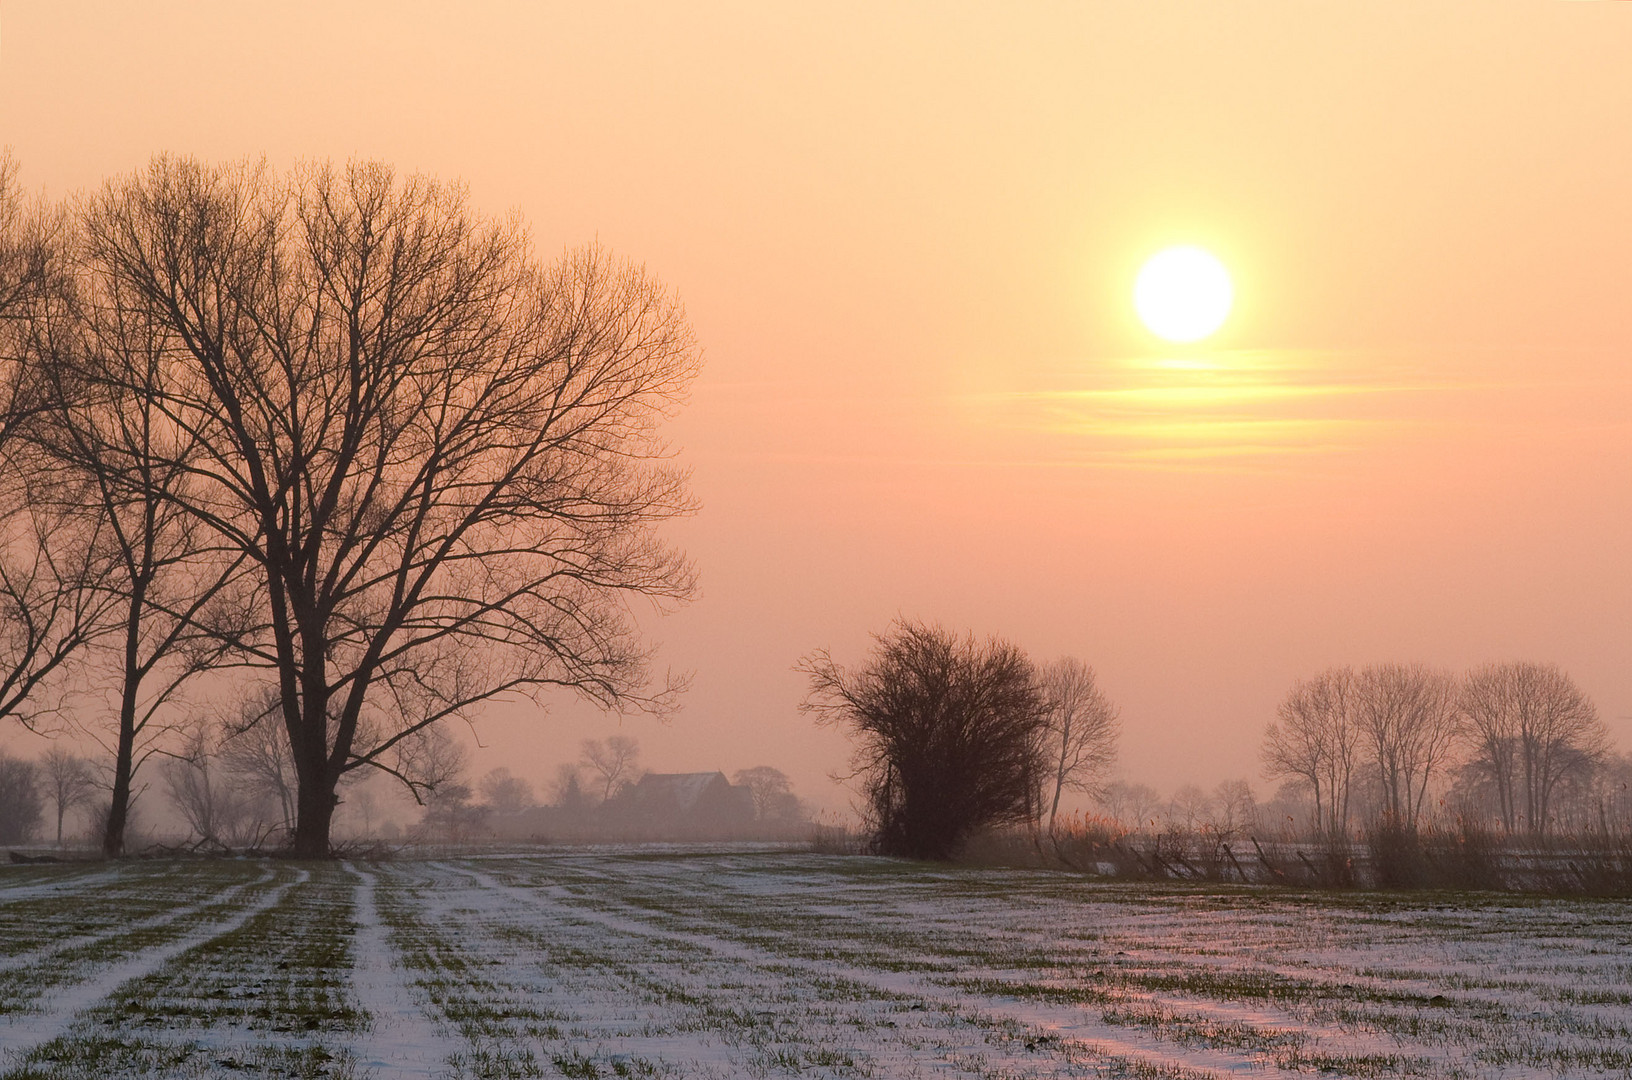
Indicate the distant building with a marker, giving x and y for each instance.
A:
(660, 806)
(687, 805)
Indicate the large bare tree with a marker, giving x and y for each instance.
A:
(440, 457)
(1531, 729)
(1080, 731)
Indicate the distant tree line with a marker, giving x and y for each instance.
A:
(335, 430)
(602, 796)
(1518, 745)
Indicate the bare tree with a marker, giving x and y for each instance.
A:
(69, 782)
(1531, 729)
(1235, 808)
(1189, 808)
(443, 765)
(567, 789)
(1316, 739)
(109, 451)
(949, 733)
(256, 752)
(1134, 805)
(52, 558)
(441, 459)
(1408, 713)
(505, 793)
(1081, 731)
(19, 799)
(53, 604)
(31, 274)
(616, 760)
(772, 791)
(216, 809)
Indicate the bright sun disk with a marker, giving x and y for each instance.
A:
(1183, 294)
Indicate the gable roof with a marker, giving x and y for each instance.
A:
(682, 790)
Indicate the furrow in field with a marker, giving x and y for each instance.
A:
(25, 1033)
(138, 926)
(24, 989)
(1197, 965)
(70, 881)
(44, 921)
(599, 1001)
(1071, 1026)
(401, 1039)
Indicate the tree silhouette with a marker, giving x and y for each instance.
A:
(950, 735)
(439, 457)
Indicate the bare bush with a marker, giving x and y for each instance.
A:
(949, 731)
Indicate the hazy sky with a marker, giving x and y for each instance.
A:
(907, 236)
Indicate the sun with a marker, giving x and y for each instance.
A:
(1183, 294)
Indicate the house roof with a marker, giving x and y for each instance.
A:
(682, 789)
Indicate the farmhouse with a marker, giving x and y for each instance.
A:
(685, 805)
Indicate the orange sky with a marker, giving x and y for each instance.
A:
(907, 235)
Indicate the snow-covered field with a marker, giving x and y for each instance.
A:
(711, 963)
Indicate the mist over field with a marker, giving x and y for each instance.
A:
(906, 239)
(867, 540)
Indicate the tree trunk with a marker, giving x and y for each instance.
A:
(124, 767)
(315, 797)
(113, 836)
(315, 804)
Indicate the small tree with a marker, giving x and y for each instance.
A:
(769, 785)
(1531, 730)
(1316, 739)
(1081, 732)
(615, 759)
(950, 735)
(256, 752)
(505, 793)
(1134, 805)
(567, 790)
(69, 782)
(1408, 717)
(217, 809)
(20, 810)
(1235, 808)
